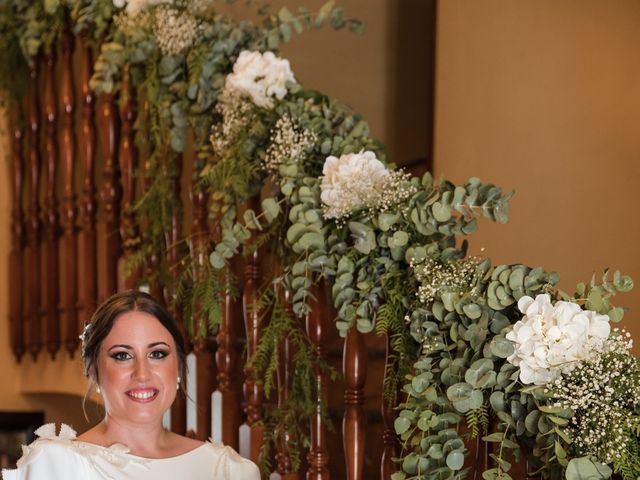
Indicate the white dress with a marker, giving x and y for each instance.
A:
(53, 457)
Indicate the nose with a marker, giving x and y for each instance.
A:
(141, 372)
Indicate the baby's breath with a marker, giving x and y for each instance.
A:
(236, 115)
(289, 142)
(175, 30)
(603, 393)
(437, 277)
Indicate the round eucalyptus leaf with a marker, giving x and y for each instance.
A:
(216, 260)
(435, 451)
(311, 241)
(501, 347)
(441, 213)
(497, 401)
(472, 310)
(399, 239)
(455, 460)
(410, 463)
(364, 325)
(386, 220)
(401, 425)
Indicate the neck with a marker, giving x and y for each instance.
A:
(145, 440)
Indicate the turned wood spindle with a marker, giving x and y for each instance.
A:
(87, 272)
(69, 260)
(227, 362)
(317, 326)
(17, 245)
(172, 234)
(203, 344)
(111, 247)
(51, 274)
(32, 261)
(353, 424)
(283, 378)
(253, 389)
(128, 161)
(389, 437)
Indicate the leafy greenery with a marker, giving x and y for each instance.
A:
(396, 267)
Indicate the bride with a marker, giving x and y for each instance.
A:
(134, 356)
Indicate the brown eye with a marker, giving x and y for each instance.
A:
(121, 356)
(158, 354)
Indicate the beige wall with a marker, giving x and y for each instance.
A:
(543, 97)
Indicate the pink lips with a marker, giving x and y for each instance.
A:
(142, 395)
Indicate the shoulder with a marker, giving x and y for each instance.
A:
(234, 465)
(50, 454)
(181, 444)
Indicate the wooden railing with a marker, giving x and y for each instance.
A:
(75, 179)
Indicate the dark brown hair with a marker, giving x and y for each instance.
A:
(105, 316)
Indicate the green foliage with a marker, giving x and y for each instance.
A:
(287, 424)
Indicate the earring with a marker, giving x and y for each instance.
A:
(98, 389)
(178, 384)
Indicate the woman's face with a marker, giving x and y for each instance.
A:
(137, 369)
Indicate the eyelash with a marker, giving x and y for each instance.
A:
(154, 355)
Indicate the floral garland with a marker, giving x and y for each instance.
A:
(478, 335)
(496, 349)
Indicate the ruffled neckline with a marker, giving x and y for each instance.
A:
(123, 449)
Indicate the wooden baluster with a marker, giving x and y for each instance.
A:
(206, 376)
(17, 245)
(317, 326)
(128, 160)
(110, 248)
(253, 390)
(283, 377)
(389, 437)
(32, 264)
(69, 254)
(353, 425)
(51, 275)
(179, 413)
(227, 362)
(87, 272)
(203, 345)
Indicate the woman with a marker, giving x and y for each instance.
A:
(134, 356)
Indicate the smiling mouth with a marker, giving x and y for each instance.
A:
(143, 395)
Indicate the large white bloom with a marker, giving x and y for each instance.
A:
(551, 337)
(136, 6)
(353, 181)
(261, 76)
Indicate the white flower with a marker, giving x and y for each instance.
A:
(261, 76)
(351, 182)
(552, 337)
(361, 181)
(136, 6)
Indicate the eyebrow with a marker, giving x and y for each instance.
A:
(129, 347)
